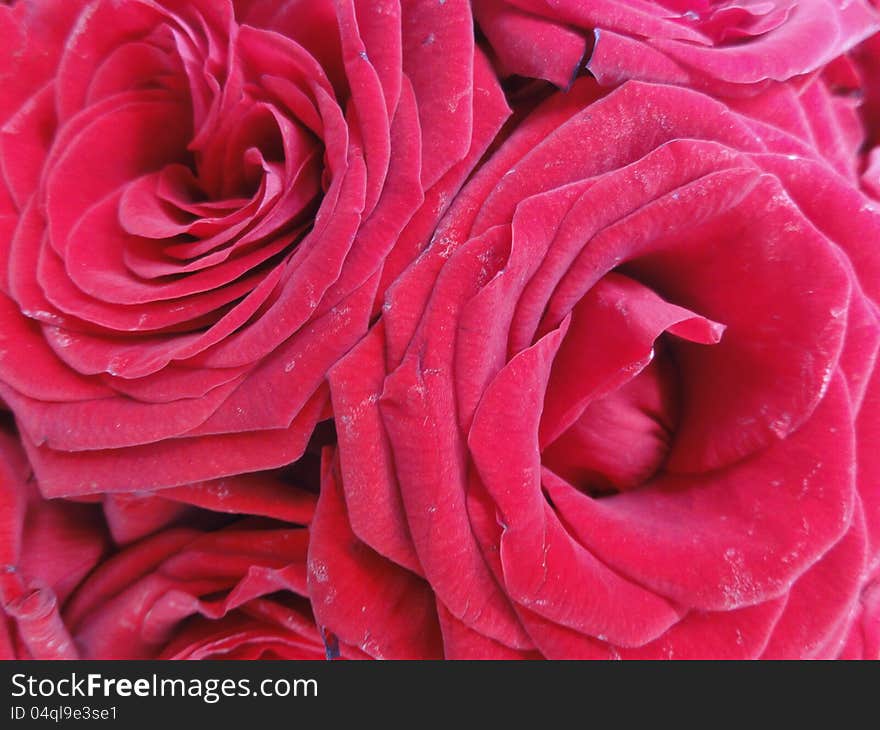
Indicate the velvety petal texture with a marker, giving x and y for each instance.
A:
(198, 202)
(722, 46)
(615, 409)
(439, 329)
(46, 549)
(214, 570)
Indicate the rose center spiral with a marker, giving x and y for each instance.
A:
(621, 439)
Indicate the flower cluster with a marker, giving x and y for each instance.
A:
(439, 329)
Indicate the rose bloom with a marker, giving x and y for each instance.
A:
(311, 349)
(625, 405)
(215, 570)
(726, 46)
(199, 204)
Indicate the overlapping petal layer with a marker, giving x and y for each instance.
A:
(331, 329)
(588, 420)
(722, 46)
(201, 199)
(210, 570)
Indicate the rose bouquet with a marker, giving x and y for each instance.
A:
(437, 329)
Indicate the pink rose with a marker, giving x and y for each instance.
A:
(724, 46)
(201, 203)
(625, 404)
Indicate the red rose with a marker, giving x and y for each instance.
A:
(212, 570)
(318, 341)
(623, 406)
(188, 594)
(200, 204)
(720, 46)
